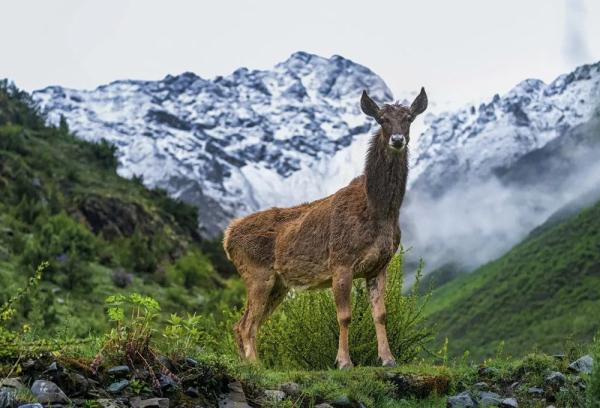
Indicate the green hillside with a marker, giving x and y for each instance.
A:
(61, 200)
(542, 292)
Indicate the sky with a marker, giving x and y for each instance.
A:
(460, 50)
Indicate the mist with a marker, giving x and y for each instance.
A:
(478, 221)
(575, 46)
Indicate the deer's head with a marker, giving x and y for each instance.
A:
(394, 119)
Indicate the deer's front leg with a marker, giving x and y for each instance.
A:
(342, 287)
(376, 286)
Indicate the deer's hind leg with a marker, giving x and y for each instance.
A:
(264, 291)
(376, 287)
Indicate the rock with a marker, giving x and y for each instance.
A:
(235, 398)
(489, 399)
(275, 395)
(118, 386)
(12, 383)
(109, 403)
(119, 371)
(582, 365)
(342, 402)
(52, 367)
(31, 406)
(535, 392)
(192, 392)
(323, 405)
(481, 386)
(7, 397)
(150, 403)
(190, 362)
(509, 403)
(556, 379)
(462, 400)
(47, 392)
(290, 388)
(167, 383)
(167, 363)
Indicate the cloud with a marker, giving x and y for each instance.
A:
(575, 46)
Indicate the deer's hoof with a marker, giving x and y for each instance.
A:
(389, 363)
(345, 365)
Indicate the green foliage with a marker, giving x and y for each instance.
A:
(67, 245)
(593, 387)
(303, 333)
(104, 153)
(193, 270)
(536, 295)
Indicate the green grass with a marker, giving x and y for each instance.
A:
(542, 292)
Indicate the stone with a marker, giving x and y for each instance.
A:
(7, 397)
(275, 395)
(481, 386)
(235, 398)
(462, 400)
(582, 365)
(190, 362)
(167, 383)
(290, 388)
(47, 392)
(31, 406)
(535, 391)
(509, 403)
(119, 371)
(342, 402)
(12, 383)
(150, 403)
(489, 399)
(192, 392)
(109, 403)
(323, 405)
(118, 386)
(52, 367)
(555, 379)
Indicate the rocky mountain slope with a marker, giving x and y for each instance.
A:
(255, 139)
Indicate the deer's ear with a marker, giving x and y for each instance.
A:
(369, 107)
(419, 104)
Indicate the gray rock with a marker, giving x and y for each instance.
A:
(7, 397)
(556, 379)
(150, 403)
(109, 403)
(275, 395)
(582, 365)
(119, 371)
(342, 402)
(191, 362)
(235, 398)
(323, 405)
(462, 400)
(52, 367)
(489, 399)
(535, 391)
(509, 403)
(12, 383)
(167, 383)
(481, 386)
(290, 388)
(118, 386)
(31, 406)
(192, 392)
(47, 392)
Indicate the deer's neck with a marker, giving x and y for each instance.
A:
(386, 173)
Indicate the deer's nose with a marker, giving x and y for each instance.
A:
(397, 141)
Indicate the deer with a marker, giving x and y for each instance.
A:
(329, 242)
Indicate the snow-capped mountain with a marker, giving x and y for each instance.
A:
(233, 144)
(255, 139)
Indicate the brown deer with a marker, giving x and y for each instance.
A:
(329, 242)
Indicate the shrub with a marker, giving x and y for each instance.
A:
(104, 153)
(67, 245)
(303, 333)
(192, 270)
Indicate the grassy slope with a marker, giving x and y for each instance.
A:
(544, 290)
(45, 172)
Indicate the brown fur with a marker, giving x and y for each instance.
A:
(350, 234)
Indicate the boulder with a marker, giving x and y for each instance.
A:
(535, 392)
(582, 365)
(555, 379)
(118, 386)
(462, 400)
(49, 393)
(489, 399)
(509, 403)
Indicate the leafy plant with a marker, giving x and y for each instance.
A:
(594, 381)
(303, 333)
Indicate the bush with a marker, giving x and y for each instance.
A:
(104, 153)
(303, 333)
(67, 245)
(192, 270)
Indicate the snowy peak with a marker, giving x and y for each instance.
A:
(231, 144)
